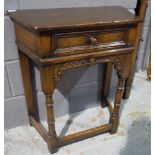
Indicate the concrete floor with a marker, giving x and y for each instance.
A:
(133, 137)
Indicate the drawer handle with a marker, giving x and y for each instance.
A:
(93, 40)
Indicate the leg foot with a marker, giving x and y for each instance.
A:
(104, 103)
(115, 126)
(112, 132)
(52, 145)
(30, 121)
(126, 93)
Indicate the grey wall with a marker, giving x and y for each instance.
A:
(74, 93)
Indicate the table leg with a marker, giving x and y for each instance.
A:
(127, 86)
(149, 68)
(114, 118)
(48, 85)
(27, 82)
(107, 73)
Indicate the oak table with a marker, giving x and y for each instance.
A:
(58, 39)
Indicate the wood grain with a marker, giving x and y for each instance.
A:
(67, 18)
(60, 39)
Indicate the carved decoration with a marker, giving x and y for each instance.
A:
(91, 61)
(58, 73)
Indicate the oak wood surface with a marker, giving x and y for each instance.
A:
(50, 19)
(73, 39)
(60, 39)
(56, 60)
(84, 134)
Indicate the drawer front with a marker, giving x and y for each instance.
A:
(80, 41)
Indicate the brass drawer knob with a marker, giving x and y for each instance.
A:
(93, 40)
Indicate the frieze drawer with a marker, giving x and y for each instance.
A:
(73, 43)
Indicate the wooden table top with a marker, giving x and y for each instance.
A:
(50, 19)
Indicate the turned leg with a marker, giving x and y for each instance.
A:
(127, 86)
(114, 118)
(107, 73)
(48, 85)
(28, 85)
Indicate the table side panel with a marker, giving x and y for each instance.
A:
(132, 33)
(40, 45)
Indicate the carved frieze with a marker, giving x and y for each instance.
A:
(91, 61)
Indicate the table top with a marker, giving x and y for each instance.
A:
(50, 19)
